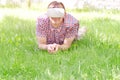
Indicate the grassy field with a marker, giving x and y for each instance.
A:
(95, 57)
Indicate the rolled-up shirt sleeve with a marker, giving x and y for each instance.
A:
(72, 31)
(40, 27)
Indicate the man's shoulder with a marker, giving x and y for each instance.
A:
(43, 17)
(70, 20)
(70, 17)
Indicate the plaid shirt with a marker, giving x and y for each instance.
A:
(67, 29)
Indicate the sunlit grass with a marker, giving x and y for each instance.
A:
(95, 57)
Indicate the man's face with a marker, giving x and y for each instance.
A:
(55, 20)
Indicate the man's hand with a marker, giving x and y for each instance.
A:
(52, 48)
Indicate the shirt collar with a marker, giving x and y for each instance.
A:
(58, 29)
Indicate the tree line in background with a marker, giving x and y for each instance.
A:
(100, 4)
(15, 3)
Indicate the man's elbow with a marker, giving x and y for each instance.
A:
(68, 46)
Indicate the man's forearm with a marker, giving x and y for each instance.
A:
(42, 46)
(63, 47)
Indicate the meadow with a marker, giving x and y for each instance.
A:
(95, 57)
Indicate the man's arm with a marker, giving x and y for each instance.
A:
(42, 43)
(67, 43)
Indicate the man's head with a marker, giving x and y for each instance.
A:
(56, 12)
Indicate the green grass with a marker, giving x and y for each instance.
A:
(95, 57)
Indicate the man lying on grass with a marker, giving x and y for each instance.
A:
(56, 29)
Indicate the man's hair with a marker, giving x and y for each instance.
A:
(55, 4)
